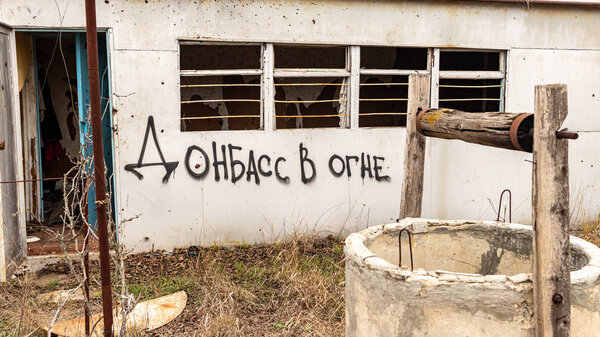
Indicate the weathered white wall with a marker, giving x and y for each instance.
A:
(547, 44)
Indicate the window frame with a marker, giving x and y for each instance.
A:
(352, 73)
(222, 72)
(437, 74)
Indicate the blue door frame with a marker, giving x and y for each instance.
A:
(85, 129)
(83, 99)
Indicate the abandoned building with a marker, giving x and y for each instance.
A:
(244, 121)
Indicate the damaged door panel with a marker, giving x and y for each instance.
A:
(12, 233)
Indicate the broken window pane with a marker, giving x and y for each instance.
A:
(230, 102)
(383, 100)
(310, 102)
(218, 96)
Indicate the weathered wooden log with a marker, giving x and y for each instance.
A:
(513, 131)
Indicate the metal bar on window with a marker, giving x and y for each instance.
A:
(220, 72)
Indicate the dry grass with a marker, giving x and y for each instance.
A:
(590, 231)
(293, 288)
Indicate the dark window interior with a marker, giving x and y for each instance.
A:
(468, 60)
(383, 98)
(383, 101)
(312, 102)
(215, 57)
(220, 103)
(228, 102)
(393, 58)
(470, 95)
(310, 57)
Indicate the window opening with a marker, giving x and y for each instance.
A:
(471, 80)
(309, 102)
(469, 60)
(393, 58)
(384, 84)
(311, 87)
(251, 86)
(321, 57)
(213, 57)
(220, 87)
(470, 95)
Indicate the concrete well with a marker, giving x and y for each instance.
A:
(470, 278)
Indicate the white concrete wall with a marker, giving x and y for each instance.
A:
(546, 44)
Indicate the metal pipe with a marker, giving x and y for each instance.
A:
(409, 248)
(564, 134)
(98, 151)
(86, 260)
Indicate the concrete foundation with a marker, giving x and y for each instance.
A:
(470, 278)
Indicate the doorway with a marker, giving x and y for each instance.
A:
(57, 134)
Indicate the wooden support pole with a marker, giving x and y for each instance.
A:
(551, 248)
(414, 152)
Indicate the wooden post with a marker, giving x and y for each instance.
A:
(551, 248)
(414, 153)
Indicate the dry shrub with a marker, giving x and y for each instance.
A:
(19, 310)
(590, 231)
(290, 288)
(293, 288)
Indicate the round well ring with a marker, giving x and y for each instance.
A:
(470, 278)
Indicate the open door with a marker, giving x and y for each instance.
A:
(85, 127)
(12, 227)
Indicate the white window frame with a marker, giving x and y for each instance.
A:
(437, 74)
(380, 72)
(225, 72)
(352, 72)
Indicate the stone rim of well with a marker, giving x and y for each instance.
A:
(356, 251)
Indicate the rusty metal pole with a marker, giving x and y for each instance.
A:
(101, 209)
(86, 259)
